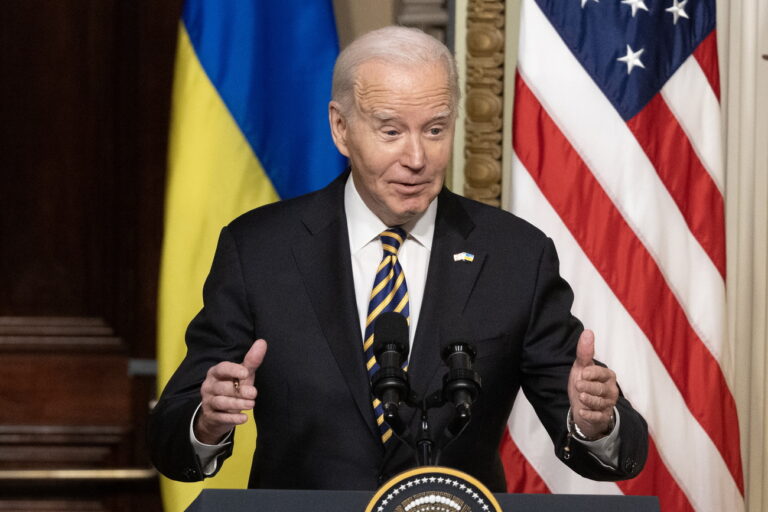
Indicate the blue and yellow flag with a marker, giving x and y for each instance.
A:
(249, 126)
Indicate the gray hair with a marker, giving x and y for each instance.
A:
(394, 45)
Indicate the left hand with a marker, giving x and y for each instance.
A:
(592, 391)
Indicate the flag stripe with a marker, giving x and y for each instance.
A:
(689, 184)
(575, 194)
(706, 54)
(618, 162)
(537, 449)
(689, 96)
(693, 459)
(656, 476)
(276, 90)
(521, 475)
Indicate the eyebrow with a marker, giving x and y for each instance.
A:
(384, 115)
(445, 114)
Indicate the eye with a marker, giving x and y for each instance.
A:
(435, 130)
(390, 133)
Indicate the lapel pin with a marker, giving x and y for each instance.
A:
(464, 256)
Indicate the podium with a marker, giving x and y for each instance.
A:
(267, 500)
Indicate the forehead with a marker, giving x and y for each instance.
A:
(382, 87)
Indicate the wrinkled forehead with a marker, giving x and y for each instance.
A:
(380, 87)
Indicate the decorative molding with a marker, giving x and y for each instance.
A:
(79, 474)
(57, 334)
(44, 447)
(484, 101)
(62, 434)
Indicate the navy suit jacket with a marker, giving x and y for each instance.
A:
(283, 273)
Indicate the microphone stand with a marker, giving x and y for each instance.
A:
(424, 446)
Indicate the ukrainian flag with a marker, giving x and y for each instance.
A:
(249, 126)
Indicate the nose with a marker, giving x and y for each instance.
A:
(413, 153)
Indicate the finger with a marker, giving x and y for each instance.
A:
(226, 371)
(604, 388)
(598, 389)
(585, 350)
(229, 404)
(226, 419)
(597, 373)
(227, 388)
(595, 403)
(595, 417)
(254, 357)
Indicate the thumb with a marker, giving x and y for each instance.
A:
(254, 358)
(585, 350)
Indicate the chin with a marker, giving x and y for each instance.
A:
(410, 213)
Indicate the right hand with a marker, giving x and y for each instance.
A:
(223, 401)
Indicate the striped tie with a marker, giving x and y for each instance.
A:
(389, 293)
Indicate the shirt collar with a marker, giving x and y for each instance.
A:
(364, 226)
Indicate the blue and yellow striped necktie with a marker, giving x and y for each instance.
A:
(389, 293)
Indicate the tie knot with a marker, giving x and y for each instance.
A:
(392, 238)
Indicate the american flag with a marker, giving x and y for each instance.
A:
(617, 157)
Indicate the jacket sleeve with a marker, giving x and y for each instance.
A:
(222, 331)
(548, 353)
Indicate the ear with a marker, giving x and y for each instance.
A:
(339, 127)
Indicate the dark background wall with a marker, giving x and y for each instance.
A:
(84, 103)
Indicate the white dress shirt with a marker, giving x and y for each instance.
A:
(364, 228)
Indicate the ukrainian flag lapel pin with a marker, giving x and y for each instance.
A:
(464, 256)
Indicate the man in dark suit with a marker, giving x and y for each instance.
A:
(299, 274)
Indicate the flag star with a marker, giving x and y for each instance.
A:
(632, 59)
(678, 10)
(584, 2)
(635, 4)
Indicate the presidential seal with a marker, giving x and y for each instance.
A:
(433, 489)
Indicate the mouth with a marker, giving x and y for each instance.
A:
(409, 188)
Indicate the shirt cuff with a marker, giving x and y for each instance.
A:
(605, 449)
(207, 454)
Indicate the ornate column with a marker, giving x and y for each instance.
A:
(484, 101)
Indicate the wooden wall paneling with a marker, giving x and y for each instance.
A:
(84, 102)
(148, 32)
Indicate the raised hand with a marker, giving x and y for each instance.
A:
(227, 391)
(592, 391)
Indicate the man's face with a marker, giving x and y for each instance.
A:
(399, 137)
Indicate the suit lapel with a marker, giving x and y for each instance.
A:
(446, 292)
(448, 287)
(325, 264)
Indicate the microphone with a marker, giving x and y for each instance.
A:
(461, 384)
(390, 345)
